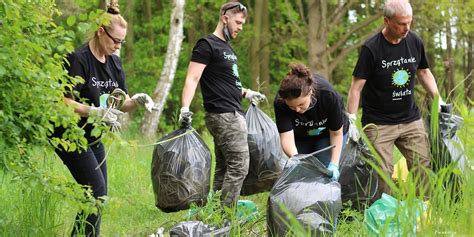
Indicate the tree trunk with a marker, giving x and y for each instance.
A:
(130, 34)
(468, 88)
(255, 45)
(449, 63)
(265, 45)
(148, 19)
(150, 121)
(317, 37)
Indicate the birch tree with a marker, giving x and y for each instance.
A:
(151, 119)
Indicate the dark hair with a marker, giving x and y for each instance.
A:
(233, 7)
(298, 82)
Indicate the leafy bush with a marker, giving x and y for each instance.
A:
(33, 82)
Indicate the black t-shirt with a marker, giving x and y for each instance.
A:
(220, 84)
(327, 113)
(390, 70)
(100, 79)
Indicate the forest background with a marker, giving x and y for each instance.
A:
(326, 35)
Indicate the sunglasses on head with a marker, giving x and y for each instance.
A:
(117, 41)
(240, 5)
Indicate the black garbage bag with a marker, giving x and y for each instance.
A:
(305, 191)
(180, 170)
(358, 179)
(266, 156)
(449, 150)
(198, 229)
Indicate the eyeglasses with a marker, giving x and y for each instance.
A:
(116, 41)
(240, 5)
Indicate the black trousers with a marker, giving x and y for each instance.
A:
(84, 168)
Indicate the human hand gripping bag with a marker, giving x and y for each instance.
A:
(180, 170)
(304, 195)
(266, 156)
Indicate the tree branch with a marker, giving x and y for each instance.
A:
(336, 61)
(357, 27)
(340, 11)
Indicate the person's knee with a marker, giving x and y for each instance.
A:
(99, 190)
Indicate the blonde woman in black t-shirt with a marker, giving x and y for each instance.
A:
(103, 75)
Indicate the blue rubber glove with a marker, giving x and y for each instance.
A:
(335, 171)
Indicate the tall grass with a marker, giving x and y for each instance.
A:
(37, 205)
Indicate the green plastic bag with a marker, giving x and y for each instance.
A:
(246, 210)
(392, 217)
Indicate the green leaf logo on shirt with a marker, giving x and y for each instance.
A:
(316, 131)
(235, 70)
(400, 78)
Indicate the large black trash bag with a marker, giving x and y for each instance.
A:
(180, 170)
(449, 149)
(304, 190)
(358, 179)
(198, 229)
(266, 156)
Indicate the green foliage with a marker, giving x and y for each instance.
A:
(33, 204)
(33, 82)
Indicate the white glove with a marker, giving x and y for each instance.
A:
(185, 117)
(353, 132)
(143, 100)
(109, 116)
(441, 103)
(254, 96)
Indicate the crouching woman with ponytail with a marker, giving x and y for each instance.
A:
(310, 116)
(103, 75)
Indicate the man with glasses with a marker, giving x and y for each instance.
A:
(385, 75)
(214, 65)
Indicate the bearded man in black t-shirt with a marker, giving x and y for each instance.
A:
(385, 75)
(214, 65)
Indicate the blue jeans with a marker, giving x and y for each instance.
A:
(310, 145)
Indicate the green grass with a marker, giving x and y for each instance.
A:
(29, 209)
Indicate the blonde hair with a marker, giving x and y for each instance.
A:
(113, 13)
(111, 18)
